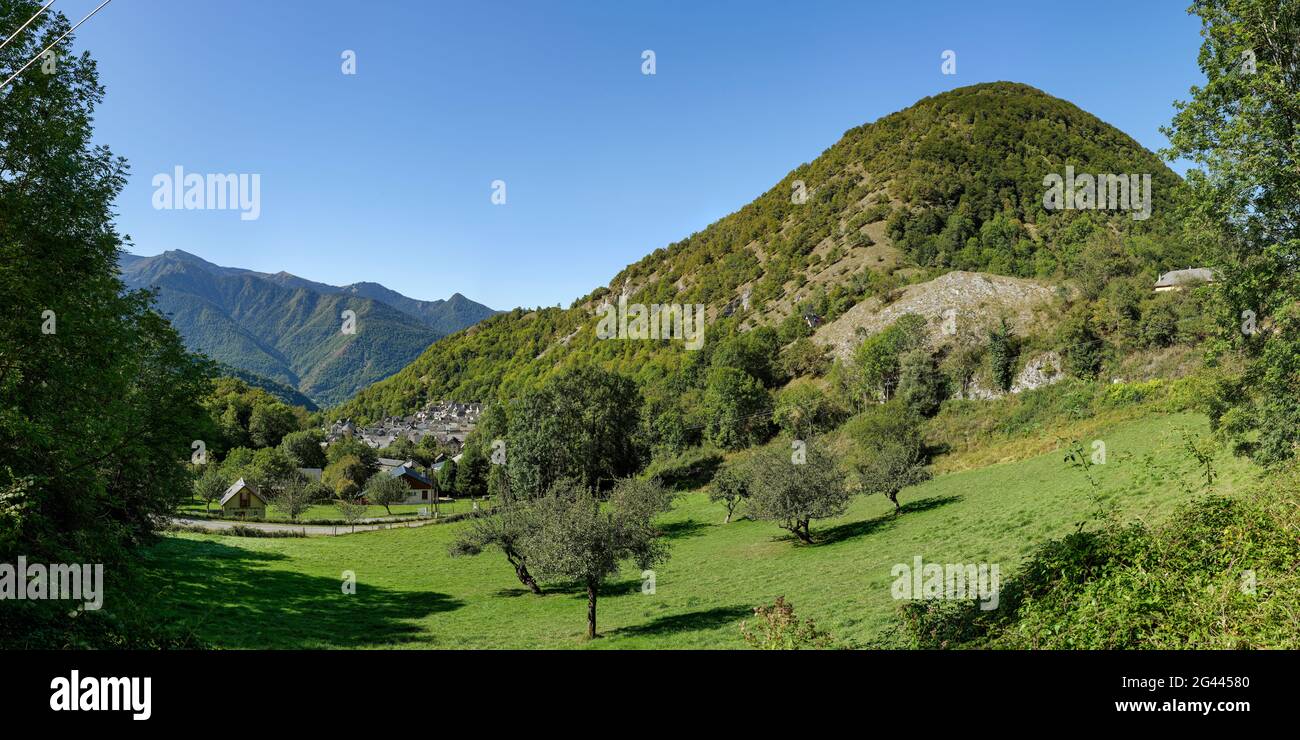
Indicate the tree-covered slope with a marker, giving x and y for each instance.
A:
(956, 181)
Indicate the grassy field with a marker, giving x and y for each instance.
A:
(285, 593)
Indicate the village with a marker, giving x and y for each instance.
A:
(439, 429)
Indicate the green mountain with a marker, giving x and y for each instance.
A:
(954, 182)
(289, 331)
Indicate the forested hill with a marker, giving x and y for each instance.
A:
(955, 181)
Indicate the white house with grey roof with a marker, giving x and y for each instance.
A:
(1179, 279)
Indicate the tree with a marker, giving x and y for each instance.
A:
(738, 409)
(210, 485)
(293, 497)
(99, 400)
(472, 472)
(305, 448)
(581, 424)
(447, 477)
(1082, 346)
(888, 451)
(341, 448)
(346, 476)
(351, 510)
(804, 358)
(1243, 202)
(385, 490)
(269, 422)
(756, 352)
(921, 385)
(505, 529)
(1003, 353)
(730, 487)
(269, 469)
(804, 409)
(792, 491)
(573, 538)
(877, 360)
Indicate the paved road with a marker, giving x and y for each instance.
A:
(311, 530)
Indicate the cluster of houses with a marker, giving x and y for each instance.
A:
(448, 422)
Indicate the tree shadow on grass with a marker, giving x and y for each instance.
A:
(683, 529)
(230, 598)
(851, 530)
(706, 619)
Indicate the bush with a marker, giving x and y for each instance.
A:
(777, 628)
(1220, 574)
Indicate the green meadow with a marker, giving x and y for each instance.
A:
(234, 592)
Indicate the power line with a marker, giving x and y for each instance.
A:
(44, 51)
(14, 35)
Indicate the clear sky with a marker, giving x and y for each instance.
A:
(386, 175)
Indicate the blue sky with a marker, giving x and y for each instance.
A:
(386, 175)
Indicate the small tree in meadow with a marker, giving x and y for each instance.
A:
(575, 539)
(792, 489)
(730, 487)
(351, 509)
(888, 452)
(293, 497)
(385, 490)
(505, 529)
(210, 485)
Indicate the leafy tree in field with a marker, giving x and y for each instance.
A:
(572, 538)
(99, 400)
(269, 422)
(293, 498)
(791, 493)
(1244, 202)
(1003, 351)
(351, 509)
(210, 485)
(888, 452)
(730, 487)
(385, 490)
(581, 424)
(504, 529)
(304, 448)
(738, 409)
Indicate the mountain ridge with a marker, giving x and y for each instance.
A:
(288, 330)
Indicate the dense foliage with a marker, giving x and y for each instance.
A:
(98, 397)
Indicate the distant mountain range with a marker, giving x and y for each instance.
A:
(289, 330)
